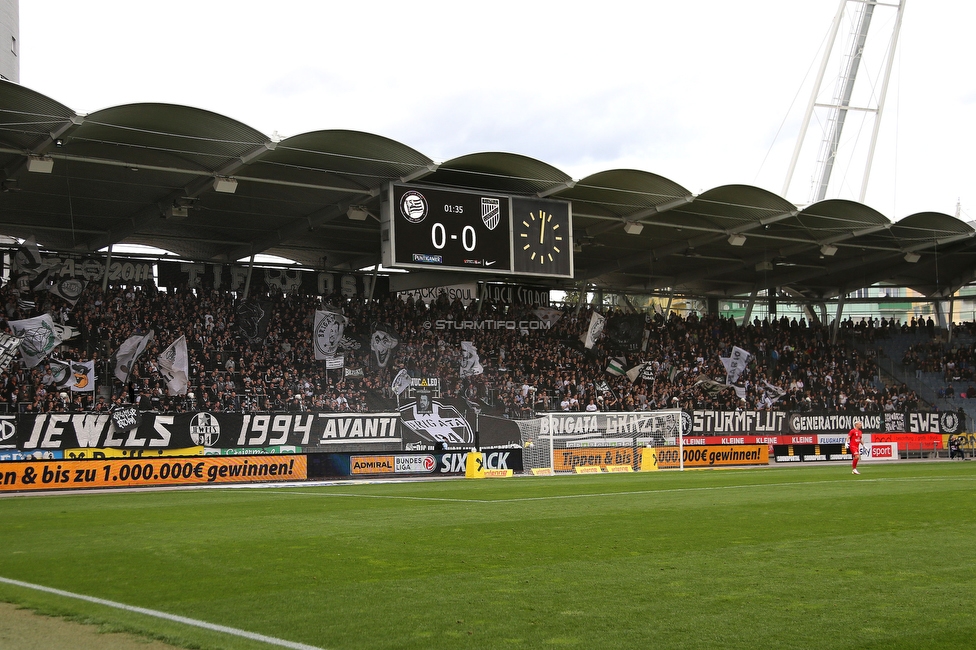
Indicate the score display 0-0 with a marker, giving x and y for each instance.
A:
(437, 228)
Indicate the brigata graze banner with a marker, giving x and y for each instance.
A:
(81, 474)
(332, 431)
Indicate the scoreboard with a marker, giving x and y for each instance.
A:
(485, 232)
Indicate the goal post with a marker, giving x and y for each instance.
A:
(562, 441)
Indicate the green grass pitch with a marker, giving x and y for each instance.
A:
(800, 557)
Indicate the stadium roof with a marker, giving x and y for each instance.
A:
(128, 174)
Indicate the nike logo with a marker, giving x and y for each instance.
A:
(487, 263)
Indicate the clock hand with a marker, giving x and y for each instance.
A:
(542, 229)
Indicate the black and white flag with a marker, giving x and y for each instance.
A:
(735, 364)
(401, 382)
(174, 367)
(128, 354)
(470, 360)
(38, 337)
(9, 345)
(594, 331)
(327, 332)
(68, 289)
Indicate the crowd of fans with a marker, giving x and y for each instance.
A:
(794, 365)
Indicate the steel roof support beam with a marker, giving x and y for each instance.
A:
(203, 184)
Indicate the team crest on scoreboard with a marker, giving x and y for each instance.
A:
(491, 212)
(413, 206)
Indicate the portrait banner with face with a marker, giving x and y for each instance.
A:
(327, 333)
(383, 340)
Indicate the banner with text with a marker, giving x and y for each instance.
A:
(83, 474)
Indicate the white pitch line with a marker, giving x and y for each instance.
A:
(637, 492)
(253, 636)
(389, 496)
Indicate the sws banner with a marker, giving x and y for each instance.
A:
(213, 430)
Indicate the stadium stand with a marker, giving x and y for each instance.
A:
(794, 366)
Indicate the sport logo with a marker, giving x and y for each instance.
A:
(413, 206)
(204, 429)
(491, 212)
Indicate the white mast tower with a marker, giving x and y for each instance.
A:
(866, 99)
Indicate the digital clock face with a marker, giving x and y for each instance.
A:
(448, 229)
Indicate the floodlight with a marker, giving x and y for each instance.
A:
(225, 185)
(40, 164)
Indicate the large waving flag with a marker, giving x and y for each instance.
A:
(594, 331)
(38, 337)
(128, 353)
(735, 364)
(28, 257)
(174, 366)
(470, 360)
(327, 332)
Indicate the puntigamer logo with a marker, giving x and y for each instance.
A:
(428, 259)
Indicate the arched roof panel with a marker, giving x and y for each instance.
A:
(621, 194)
(501, 172)
(148, 173)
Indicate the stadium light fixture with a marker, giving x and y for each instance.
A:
(911, 258)
(633, 228)
(40, 164)
(357, 213)
(827, 250)
(737, 239)
(225, 185)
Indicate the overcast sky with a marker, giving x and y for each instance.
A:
(706, 93)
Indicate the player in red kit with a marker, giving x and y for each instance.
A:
(854, 444)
